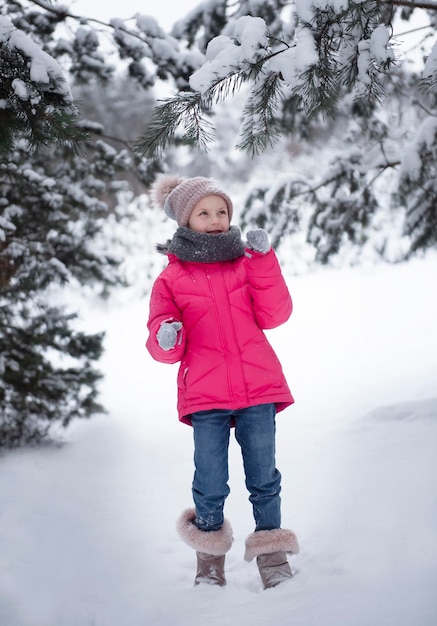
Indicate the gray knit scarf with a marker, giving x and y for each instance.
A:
(189, 245)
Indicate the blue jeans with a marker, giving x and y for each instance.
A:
(255, 429)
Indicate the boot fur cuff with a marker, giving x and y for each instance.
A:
(214, 542)
(269, 541)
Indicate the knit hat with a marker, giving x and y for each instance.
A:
(178, 196)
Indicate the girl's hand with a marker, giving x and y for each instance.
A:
(258, 240)
(167, 334)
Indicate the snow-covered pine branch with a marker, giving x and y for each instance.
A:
(333, 46)
(184, 110)
(35, 97)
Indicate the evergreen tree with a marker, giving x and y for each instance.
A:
(59, 184)
(51, 222)
(305, 65)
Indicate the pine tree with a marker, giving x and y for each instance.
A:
(59, 184)
(306, 65)
(51, 221)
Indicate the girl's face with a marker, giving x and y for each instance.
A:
(210, 215)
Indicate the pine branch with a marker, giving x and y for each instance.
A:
(319, 90)
(185, 109)
(63, 14)
(428, 85)
(258, 130)
(431, 6)
(44, 116)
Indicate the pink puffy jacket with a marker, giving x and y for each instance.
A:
(226, 360)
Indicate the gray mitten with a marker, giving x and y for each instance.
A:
(167, 334)
(258, 240)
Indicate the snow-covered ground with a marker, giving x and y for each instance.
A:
(87, 527)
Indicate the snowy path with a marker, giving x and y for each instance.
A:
(87, 528)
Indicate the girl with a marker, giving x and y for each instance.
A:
(207, 310)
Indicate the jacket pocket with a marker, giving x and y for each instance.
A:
(182, 376)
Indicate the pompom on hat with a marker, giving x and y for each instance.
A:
(178, 196)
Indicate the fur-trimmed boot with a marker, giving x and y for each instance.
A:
(210, 545)
(270, 547)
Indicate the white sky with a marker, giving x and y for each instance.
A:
(167, 12)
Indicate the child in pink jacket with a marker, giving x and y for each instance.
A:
(208, 309)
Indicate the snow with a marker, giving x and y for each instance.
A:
(249, 36)
(149, 26)
(431, 63)
(164, 49)
(294, 61)
(251, 32)
(223, 56)
(422, 139)
(87, 525)
(305, 9)
(43, 68)
(380, 46)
